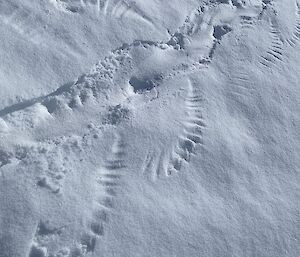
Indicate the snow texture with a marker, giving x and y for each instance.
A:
(150, 128)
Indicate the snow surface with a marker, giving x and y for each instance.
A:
(150, 128)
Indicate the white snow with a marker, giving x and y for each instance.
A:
(149, 128)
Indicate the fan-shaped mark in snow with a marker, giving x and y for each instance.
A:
(240, 84)
(34, 28)
(85, 90)
(164, 162)
(192, 133)
(21, 20)
(295, 38)
(103, 5)
(99, 5)
(247, 22)
(111, 8)
(108, 180)
(149, 164)
(74, 95)
(274, 52)
(129, 9)
(156, 164)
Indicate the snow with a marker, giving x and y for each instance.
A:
(149, 128)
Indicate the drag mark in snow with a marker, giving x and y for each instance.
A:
(275, 51)
(72, 96)
(295, 38)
